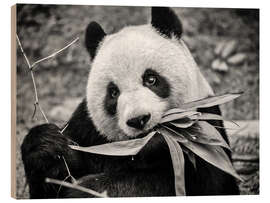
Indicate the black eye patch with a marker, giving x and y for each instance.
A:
(160, 87)
(110, 101)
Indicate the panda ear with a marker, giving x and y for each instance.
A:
(165, 21)
(93, 36)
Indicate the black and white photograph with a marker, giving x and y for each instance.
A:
(135, 101)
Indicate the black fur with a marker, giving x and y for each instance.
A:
(93, 36)
(42, 151)
(149, 174)
(161, 87)
(166, 22)
(110, 102)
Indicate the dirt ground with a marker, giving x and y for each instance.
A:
(61, 81)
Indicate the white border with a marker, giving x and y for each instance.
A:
(172, 3)
(264, 91)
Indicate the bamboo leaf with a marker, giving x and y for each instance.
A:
(187, 109)
(210, 101)
(164, 130)
(214, 155)
(183, 124)
(206, 116)
(210, 116)
(121, 148)
(205, 133)
(171, 116)
(204, 103)
(178, 162)
(180, 113)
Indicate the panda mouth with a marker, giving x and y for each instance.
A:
(143, 134)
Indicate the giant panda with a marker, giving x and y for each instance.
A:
(136, 75)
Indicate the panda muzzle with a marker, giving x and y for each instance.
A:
(139, 122)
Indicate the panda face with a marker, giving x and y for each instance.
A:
(137, 75)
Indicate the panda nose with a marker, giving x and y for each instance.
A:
(139, 122)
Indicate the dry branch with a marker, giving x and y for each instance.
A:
(76, 187)
(64, 128)
(68, 171)
(55, 53)
(31, 67)
(73, 180)
(36, 104)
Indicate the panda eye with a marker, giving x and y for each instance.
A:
(156, 83)
(114, 92)
(150, 80)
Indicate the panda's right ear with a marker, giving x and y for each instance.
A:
(93, 36)
(166, 22)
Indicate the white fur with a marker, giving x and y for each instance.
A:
(122, 58)
(139, 102)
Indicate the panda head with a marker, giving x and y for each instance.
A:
(138, 73)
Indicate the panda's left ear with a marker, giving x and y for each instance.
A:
(165, 21)
(93, 36)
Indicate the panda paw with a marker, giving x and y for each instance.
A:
(42, 150)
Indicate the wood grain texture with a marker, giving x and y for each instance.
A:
(13, 101)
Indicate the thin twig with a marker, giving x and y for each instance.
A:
(55, 53)
(42, 112)
(33, 80)
(30, 67)
(60, 187)
(20, 45)
(73, 180)
(69, 174)
(64, 128)
(35, 87)
(76, 187)
(36, 98)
